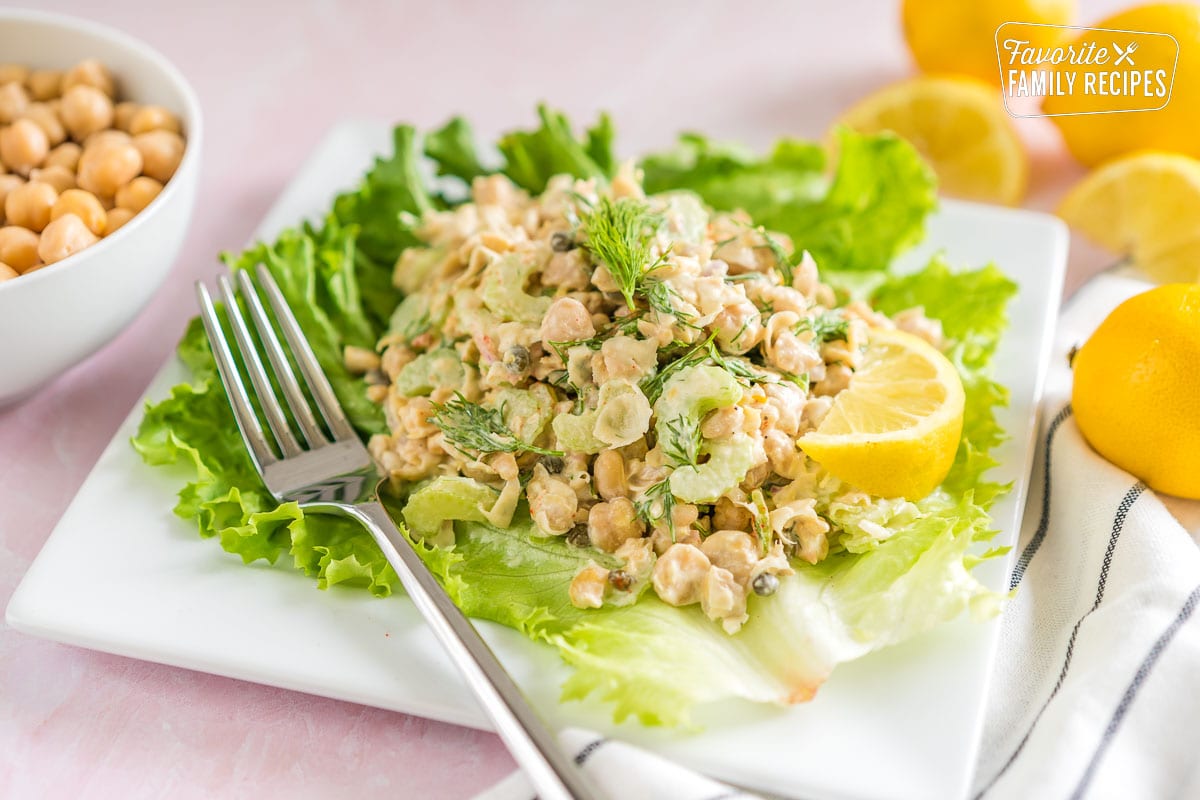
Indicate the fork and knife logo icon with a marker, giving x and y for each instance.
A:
(1124, 54)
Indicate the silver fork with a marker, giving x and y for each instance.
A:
(334, 474)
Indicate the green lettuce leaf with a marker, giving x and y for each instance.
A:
(874, 208)
(729, 177)
(531, 158)
(390, 191)
(452, 149)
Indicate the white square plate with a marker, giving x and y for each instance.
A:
(121, 573)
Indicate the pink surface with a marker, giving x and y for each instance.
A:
(272, 77)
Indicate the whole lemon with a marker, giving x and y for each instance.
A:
(1137, 388)
(959, 36)
(1093, 138)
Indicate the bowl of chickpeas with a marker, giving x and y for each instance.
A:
(99, 157)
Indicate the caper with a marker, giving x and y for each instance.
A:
(561, 242)
(516, 358)
(553, 464)
(765, 584)
(620, 580)
(579, 536)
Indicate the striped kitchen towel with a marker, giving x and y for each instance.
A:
(1096, 688)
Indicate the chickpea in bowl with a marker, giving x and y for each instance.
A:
(100, 215)
(77, 161)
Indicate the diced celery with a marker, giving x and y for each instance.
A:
(728, 462)
(411, 317)
(526, 411)
(428, 371)
(621, 416)
(448, 497)
(693, 392)
(502, 289)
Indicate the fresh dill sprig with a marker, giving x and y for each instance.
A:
(681, 445)
(658, 503)
(827, 327)
(474, 430)
(618, 235)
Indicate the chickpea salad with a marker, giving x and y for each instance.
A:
(585, 380)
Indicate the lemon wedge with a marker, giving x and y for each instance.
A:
(1146, 206)
(895, 430)
(959, 126)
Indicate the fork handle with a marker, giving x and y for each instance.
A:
(536, 749)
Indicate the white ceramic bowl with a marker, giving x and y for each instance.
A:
(55, 317)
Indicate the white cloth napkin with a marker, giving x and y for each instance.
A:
(1096, 690)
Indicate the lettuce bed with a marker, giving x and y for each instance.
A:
(649, 660)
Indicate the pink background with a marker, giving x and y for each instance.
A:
(272, 77)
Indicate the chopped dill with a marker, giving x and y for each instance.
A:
(827, 327)
(782, 260)
(682, 442)
(652, 386)
(658, 503)
(474, 430)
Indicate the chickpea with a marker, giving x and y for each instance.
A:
(609, 471)
(13, 100)
(123, 114)
(679, 574)
(23, 146)
(588, 587)
(46, 119)
(735, 551)
(119, 216)
(7, 184)
(83, 205)
(104, 170)
(358, 360)
(29, 206)
(142, 191)
(107, 137)
(89, 72)
(612, 523)
(7, 272)
(45, 84)
(13, 73)
(85, 110)
(65, 155)
(64, 237)
(18, 247)
(153, 118)
(60, 178)
(162, 151)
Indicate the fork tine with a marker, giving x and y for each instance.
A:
(280, 364)
(243, 412)
(314, 376)
(276, 419)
